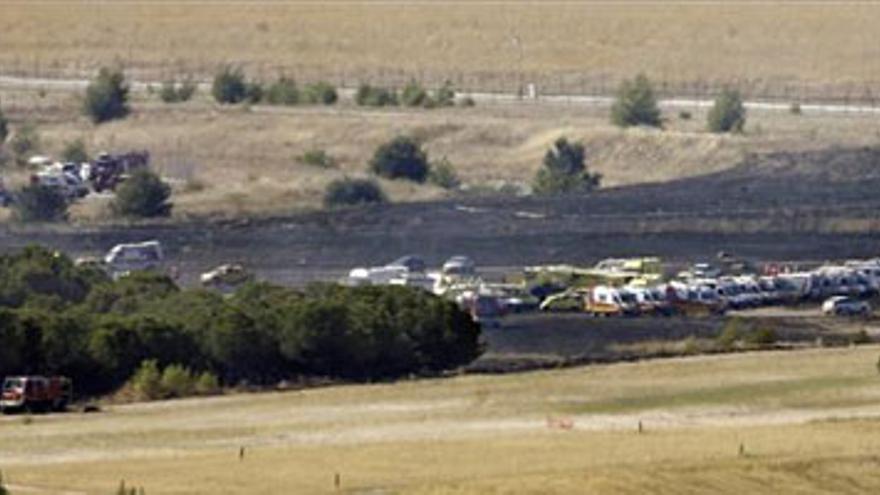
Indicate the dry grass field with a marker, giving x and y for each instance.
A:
(243, 160)
(480, 44)
(807, 422)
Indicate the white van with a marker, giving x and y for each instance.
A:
(124, 258)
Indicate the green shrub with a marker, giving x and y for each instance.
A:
(254, 92)
(353, 192)
(321, 93)
(174, 92)
(147, 381)
(37, 203)
(795, 109)
(636, 104)
(143, 195)
(75, 151)
(283, 92)
(25, 143)
(177, 381)
(229, 86)
(564, 170)
(684, 115)
(207, 384)
(691, 346)
(4, 128)
(123, 490)
(317, 158)
(401, 158)
(413, 94)
(730, 334)
(107, 96)
(467, 101)
(761, 337)
(443, 174)
(445, 95)
(728, 114)
(369, 96)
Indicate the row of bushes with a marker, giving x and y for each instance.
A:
(230, 86)
(56, 317)
(564, 171)
(107, 94)
(412, 95)
(636, 105)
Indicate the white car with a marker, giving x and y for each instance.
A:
(842, 305)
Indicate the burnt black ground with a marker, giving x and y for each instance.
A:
(806, 206)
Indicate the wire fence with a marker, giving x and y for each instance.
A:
(511, 82)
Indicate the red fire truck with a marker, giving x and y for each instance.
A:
(35, 393)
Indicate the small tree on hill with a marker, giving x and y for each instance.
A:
(321, 92)
(4, 128)
(107, 96)
(401, 158)
(564, 170)
(728, 114)
(143, 195)
(36, 203)
(283, 92)
(229, 85)
(353, 192)
(413, 94)
(636, 104)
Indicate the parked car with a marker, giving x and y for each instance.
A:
(124, 258)
(845, 306)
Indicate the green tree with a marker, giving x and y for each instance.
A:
(401, 158)
(413, 94)
(636, 104)
(564, 170)
(207, 384)
(143, 195)
(370, 96)
(728, 114)
(445, 95)
(107, 96)
(229, 85)
(4, 128)
(75, 151)
(443, 175)
(177, 381)
(353, 192)
(283, 92)
(146, 382)
(322, 93)
(37, 203)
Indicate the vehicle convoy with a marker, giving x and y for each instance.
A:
(35, 393)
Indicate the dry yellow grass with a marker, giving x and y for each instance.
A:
(230, 161)
(807, 422)
(830, 43)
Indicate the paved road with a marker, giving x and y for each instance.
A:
(587, 100)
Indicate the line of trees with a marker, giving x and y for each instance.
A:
(56, 317)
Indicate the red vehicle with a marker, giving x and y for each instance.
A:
(36, 393)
